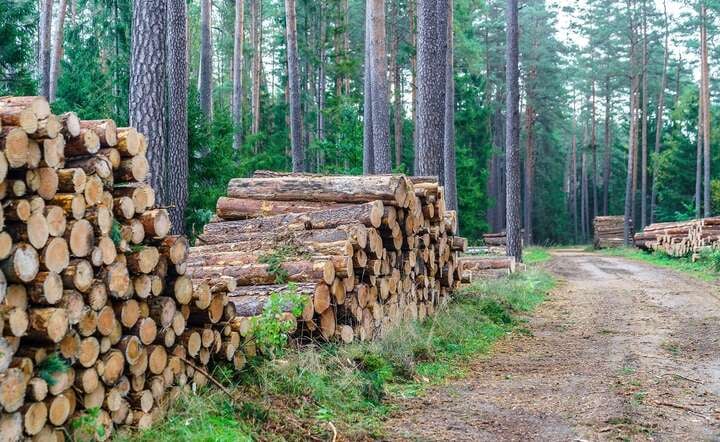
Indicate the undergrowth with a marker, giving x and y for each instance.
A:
(536, 255)
(314, 390)
(707, 267)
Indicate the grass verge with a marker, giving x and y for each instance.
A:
(309, 391)
(706, 268)
(536, 255)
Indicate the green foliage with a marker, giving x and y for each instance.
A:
(275, 260)
(706, 268)
(53, 364)
(353, 386)
(270, 330)
(87, 427)
(535, 255)
(115, 234)
(17, 29)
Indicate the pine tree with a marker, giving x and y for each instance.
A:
(512, 143)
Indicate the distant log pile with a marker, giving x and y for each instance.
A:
(681, 238)
(498, 239)
(609, 231)
(96, 309)
(476, 267)
(366, 251)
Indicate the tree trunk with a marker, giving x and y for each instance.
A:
(583, 197)
(413, 69)
(368, 151)
(57, 51)
(529, 168)
(177, 147)
(45, 33)
(706, 115)
(450, 182)
(238, 63)
(659, 119)
(593, 145)
(632, 138)
(512, 136)
(298, 154)
(608, 150)
(431, 73)
(397, 85)
(644, 122)
(699, 156)
(206, 69)
(321, 88)
(256, 37)
(379, 90)
(573, 176)
(147, 85)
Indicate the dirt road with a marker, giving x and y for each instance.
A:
(620, 351)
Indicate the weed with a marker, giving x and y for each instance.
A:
(627, 370)
(86, 426)
(536, 255)
(671, 347)
(52, 365)
(271, 329)
(275, 260)
(707, 268)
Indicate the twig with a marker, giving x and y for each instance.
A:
(212, 379)
(681, 407)
(334, 430)
(683, 377)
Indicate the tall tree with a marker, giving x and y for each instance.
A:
(45, 33)
(431, 73)
(659, 118)
(57, 50)
(512, 135)
(644, 122)
(206, 56)
(238, 63)
(379, 90)
(632, 138)
(573, 175)
(147, 85)
(256, 76)
(397, 84)
(298, 153)
(449, 138)
(607, 168)
(177, 125)
(705, 74)
(368, 150)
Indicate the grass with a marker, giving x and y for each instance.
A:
(309, 390)
(536, 255)
(707, 268)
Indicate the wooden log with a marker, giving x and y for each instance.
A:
(86, 143)
(297, 271)
(246, 208)
(106, 130)
(15, 144)
(347, 189)
(22, 265)
(47, 323)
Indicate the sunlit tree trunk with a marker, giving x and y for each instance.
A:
(57, 51)
(298, 154)
(45, 33)
(238, 65)
(206, 48)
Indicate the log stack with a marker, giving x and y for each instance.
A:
(96, 309)
(366, 251)
(477, 267)
(681, 238)
(609, 232)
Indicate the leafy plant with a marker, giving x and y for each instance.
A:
(275, 260)
(115, 234)
(271, 329)
(54, 363)
(87, 425)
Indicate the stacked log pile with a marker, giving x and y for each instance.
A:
(366, 251)
(681, 238)
(96, 310)
(609, 231)
(495, 239)
(476, 267)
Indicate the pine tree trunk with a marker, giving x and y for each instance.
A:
(706, 116)
(256, 36)
(57, 51)
(45, 32)
(573, 176)
(449, 139)
(147, 85)
(413, 69)
(346, 42)
(321, 87)
(177, 145)
(512, 136)
(238, 65)
(529, 168)
(379, 89)
(432, 44)
(632, 138)
(593, 144)
(644, 123)
(699, 157)
(298, 155)
(206, 69)
(608, 150)
(659, 119)
(397, 85)
(368, 151)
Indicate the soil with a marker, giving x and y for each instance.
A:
(620, 351)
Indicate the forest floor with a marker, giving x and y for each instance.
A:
(622, 350)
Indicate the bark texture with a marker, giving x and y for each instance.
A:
(206, 58)
(256, 37)
(298, 154)
(177, 146)
(379, 90)
(45, 31)
(431, 47)
(659, 119)
(368, 151)
(57, 51)
(449, 138)
(512, 136)
(238, 62)
(147, 85)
